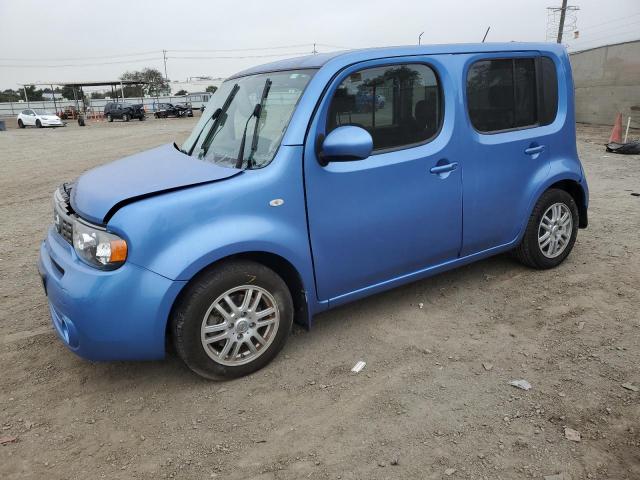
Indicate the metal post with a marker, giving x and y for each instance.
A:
(122, 91)
(26, 97)
(420, 38)
(563, 11)
(55, 105)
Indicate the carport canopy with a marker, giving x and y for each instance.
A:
(78, 85)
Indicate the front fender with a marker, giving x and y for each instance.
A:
(179, 233)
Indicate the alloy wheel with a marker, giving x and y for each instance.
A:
(555, 230)
(240, 325)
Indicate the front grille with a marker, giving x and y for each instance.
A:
(62, 212)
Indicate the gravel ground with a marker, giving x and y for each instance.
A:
(434, 400)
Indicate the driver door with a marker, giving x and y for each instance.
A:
(376, 221)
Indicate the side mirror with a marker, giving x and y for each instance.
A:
(345, 144)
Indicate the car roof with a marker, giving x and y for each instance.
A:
(347, 57)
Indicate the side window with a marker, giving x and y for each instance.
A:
(548, 81)
(505, 94)
(25, 112)
(397, 104)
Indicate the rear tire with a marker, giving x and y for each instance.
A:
(260, 329)
(551, 231)
(20, 123)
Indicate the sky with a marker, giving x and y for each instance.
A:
(79, 40)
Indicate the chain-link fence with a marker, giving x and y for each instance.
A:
(95, 106)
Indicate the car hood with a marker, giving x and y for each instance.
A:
(49, 117)
(100, 192)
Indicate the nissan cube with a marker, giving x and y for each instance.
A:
(309, 183)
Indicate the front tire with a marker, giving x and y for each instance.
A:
(232, 320)
(38, 124)
(551, 231)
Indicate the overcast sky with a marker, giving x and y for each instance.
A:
(38, 39)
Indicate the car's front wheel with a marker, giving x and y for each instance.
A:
(551, 231)
(232, 320)
(38, 124)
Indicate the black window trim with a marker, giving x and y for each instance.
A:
(536, 58)
(342, 75)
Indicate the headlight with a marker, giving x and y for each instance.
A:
(98, 248)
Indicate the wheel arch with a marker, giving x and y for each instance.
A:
(275, 262)
(578, 194)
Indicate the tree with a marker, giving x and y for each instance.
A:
(10, 95)
(97, 95)
(180, 93)
(155, 83)
(33, 93)
(211, 89)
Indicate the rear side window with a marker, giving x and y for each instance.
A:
(506, 94)
(399, 105)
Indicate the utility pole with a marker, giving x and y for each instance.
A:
(563, 12)
(420, 38)
(164, 56)
(314, 49)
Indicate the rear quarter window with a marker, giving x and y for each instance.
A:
(512, 93)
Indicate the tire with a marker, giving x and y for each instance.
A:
(141, 118)
(125, 117)
(109, 117)
(38, 124)
(531, 251)
(20, 123)
(196, 309)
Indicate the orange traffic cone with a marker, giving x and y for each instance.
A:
(616, 132)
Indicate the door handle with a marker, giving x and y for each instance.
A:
(449, 167)
(534, 150)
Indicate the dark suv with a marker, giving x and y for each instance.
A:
(123, 111)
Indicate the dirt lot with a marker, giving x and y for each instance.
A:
(424, 407)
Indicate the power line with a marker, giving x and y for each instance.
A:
(600, 24)
(123, 55)
(79, 64)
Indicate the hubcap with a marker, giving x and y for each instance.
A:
(240, 325)
(554, 232)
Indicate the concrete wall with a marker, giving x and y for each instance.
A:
(607, 81)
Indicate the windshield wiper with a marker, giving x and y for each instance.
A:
(219, 121)
(257, 111)
(214, 115)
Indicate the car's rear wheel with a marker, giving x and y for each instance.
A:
(20, 123)
(109, 117)
(38, 124)
(232, 320)
(551, 231)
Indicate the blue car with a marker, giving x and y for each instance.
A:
(288, 200)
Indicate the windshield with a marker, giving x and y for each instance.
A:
(44, 112)
(222, 133)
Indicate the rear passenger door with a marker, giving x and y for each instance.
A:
(511, 104)
(380, 219)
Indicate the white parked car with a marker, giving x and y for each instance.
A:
(38, 118)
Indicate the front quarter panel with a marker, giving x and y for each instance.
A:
(178, 234)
